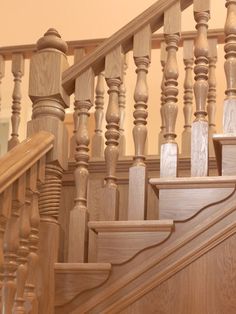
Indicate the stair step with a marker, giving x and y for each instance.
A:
(119, 241)
(71, 279)
(182, 198)
(225, 151)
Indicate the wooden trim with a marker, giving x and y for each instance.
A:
(22, 157)
(193, 182)
(81, 267)
(153, 16)
(131, 226)
(91, 44)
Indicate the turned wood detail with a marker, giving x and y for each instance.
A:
(122, 104)
(82, 155)
(2, 73)
(98, 141)
(50, 193)
(11, 246)
(163, 124)
(188, 93)
(18, 72)
(230, 68)
(171, 90)
(201, 65)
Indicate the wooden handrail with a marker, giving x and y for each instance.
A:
(22, 157)
(90, 44)
(153, 16)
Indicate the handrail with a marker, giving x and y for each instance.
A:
(153, 16)
(90, 44)
(22, 157)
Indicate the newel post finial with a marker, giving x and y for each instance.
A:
(49, 103)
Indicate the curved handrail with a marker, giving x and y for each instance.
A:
(22, 157)
(153, 16)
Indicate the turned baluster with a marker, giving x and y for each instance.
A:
(49, 103)
(5, 214)
(78, 231)
(188, 97)
(11, 246)
(113, 76)
(79, 53)
(163, 54)
(98, 140)
(122, 103)
(199, 148)
(169, 150)
(36, 177)
(138, 173)
(229, 125)
(26, 265)
(18, 72)
(2, 73)
(211, 103)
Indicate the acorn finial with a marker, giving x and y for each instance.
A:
(52, 39)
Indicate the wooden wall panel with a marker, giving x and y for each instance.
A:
(207, 286)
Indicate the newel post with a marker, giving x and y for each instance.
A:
(49, 103)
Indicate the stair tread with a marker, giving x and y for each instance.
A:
(131, 226)
(81, 267)
(193, 182)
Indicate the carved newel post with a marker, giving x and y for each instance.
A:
(49, 103)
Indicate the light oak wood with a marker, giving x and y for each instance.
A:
(98, 138)
(142, 58)
(163, 56)
(211, 101)
(17, 71)
(229, 115)
(77, 251)
(16, 162)
(188, 97)
(120, 241)
(169, 161)
(2, 73)
(72, 279)
(199, 142)
(153, 16)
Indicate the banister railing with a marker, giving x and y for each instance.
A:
(22, 172)
(153, 16)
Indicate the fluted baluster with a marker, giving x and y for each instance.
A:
(169, 150)
(188, 97)
(211, 103)
(18, 72)
(78, 232)
(2, 73)
(138, 173)
(5, 214)
(11, 246)
(199, 149)
(79, 53)
(122, 104)
(163, 124)
(24, 241)
(113, 76)
(98, 139)
(229, 120)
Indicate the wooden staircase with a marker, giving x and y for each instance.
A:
(182, 260)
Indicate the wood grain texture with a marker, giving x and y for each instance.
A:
(169, 160)
(199, 289)
(137, 193)
(71, 279)
(153, 16)
(16, 162)
(142, 43)
(229, 116)
(84, 86)
(201, 5)
(172, 19)
(199, 148)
